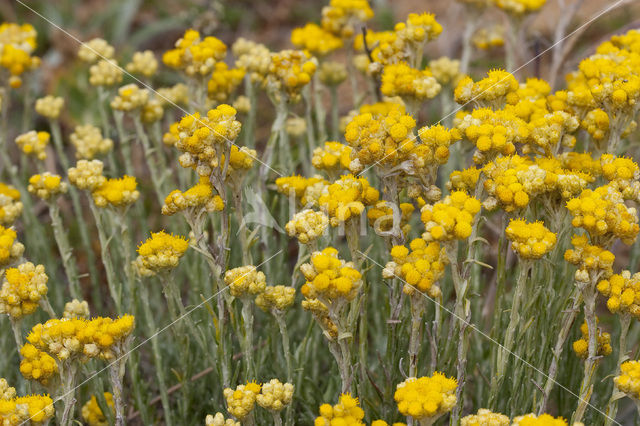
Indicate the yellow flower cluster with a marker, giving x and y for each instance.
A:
(549, 132)
(95, 49)
(195, 200)
(6, 391)
(315, 39)
(381, 217)
(240, 402)
(307, 225)
(240, 161)
(411, 84)
(306, 190)
(93, 415)
(22, 290)
(289, 71)
(219, 420)
(383, 423)
(384, 140)
(278, 298)
(426, 397)
(10, 204)
(347, 198)
(433, 150)
(629, 379)
(34, 143)
(177, 94)
(346, 412)
(10, 248)
(445, 70)
(493, 91)
(87, 175)
(602, 213)
(489, 38)
(344, 17)
(581, 346)
(254, 58)
(420, 268)
(80, 338)
(463, 180)
(224, 81)
(320, 313)
(106, 72)
(329, 278)
(50, 106)
(275, 395)
(332, 73)
(195, 55)
(485, 417)
(493, 133)
(623, 293)
(47, 185)
(88, 141)
(37, 365)
(143, 63)
(202, 139)
(590, 259)
(245, 281)
(161, 252)
(76, 309)
(33, 410)
(519, 7)
(530, 240)
(333, 157)
(116, 192)
(129, 98)
(450, 219)
(17, 43)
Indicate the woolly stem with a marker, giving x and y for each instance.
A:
(247, 341)
(66, 252)
(612, 405)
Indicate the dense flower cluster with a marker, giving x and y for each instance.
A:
(50, 106)
(450, 219)
(194, 200)
(307, 225)
(530, 240)
(426, 397)
(485, 417)
(219, 420)
(10, 204)
(93, 415)
(161, 252)
(344, 17)
(17, 43)
(240, 402)
(333, 157)
(129, 98)
(493, 91)
(10, 248)
(519, 7)
(105, 72)
(116, 192)
(278, 298)
(383, 218)
(33, 409)
(95, 49)
(346, 412)
(34, 143)
(224, 81)
(37, 365)
(347, 198)
(590, 259)
(623, 293)
(409, 83)
(87, 175)
(76, 309)
(195, 55)
(581, 346)
(289, 71)
(629, 379)
(143, 63)
(329, 278)
(315, 39)
(420, 267)
(89, 142)
(275, 395)
(245, 281)
(22, 289)
(47, 185)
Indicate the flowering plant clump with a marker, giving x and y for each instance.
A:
(22, 290)
(161, 251)
(426, 397)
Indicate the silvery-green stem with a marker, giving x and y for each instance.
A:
(612, 406)
(247, 341)
(156, 179)
(66, 253)
(590, 364)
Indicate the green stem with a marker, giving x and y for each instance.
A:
(152, 164)
(66, 253)
(590, 364)
(115, 288)
(612, 406)
(247, 341)
(417, 310)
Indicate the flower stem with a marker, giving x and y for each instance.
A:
(247, 342)
(66, 252)
(612, 406)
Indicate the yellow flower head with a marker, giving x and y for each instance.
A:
(223, 82)
(10, 204)
(279, 298)
(409, 83)
(382, 217)
(306, 190)
(346, 412)
(93, 415)
(347, 198)
(333, 157)
(315, 39)
(519, 7)
(219, 420)
(530, 240)
(34, 144)
(329, 278)
(275, 395)
(463, 180)
(161, 252)
(344, 17)
(32, 409)
(623, 293)
(22, 289)
(485, 417)
(242, 399)
(590, 259)
(6, 392)
(195, 55)
(105, 72)
(94, 50)
(450, 219)
(198, 199)
(629, 379)
(289, 71)
(420, 266)
(307, 225)
(426, 397)
(50, 106)
(130, 98)
(581, 346)
(17, 43)
(89, 142)
(489, 37)
(541, 420)
(10, 248)
(245, 281)
(87, 175)
(494, 91)
(445, 70)
(143, 63)
(117, 192)
(76, 309)
(37, 365)
(254, 58)
(47, 185)
(332, 73)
